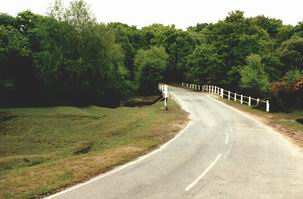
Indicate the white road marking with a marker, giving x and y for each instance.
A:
(248, 129)
(228, 151)
(123, 166)
(191, 185)
(227, 139)
(231, 145)
(260, 124)
(246, 115)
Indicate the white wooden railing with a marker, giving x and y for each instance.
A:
(228, 94)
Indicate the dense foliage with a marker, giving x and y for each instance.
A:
(68, 57)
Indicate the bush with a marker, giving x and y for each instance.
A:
(288, 93)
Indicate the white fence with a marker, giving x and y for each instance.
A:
(250, 101)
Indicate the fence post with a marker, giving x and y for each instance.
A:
(267, 106)
(212, 89)
(249, 101)
(222, 94)
(228, 95)
(235, 98)
(241, 99)
(258, 102)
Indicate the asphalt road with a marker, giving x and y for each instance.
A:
(220, 154)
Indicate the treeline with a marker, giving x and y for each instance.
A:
(68, 57)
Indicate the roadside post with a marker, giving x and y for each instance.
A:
(166, 96)
(267, 106)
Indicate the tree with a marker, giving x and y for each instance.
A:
(254, 77)
(204, 65)
(272, 65)
(79, 15)
(291, 53)
(75, 67)
(7, 20)
(270, 25)
(234, 39)
(129, 39)
(56, 10)
(150, 65)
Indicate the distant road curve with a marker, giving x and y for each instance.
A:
(220, 154)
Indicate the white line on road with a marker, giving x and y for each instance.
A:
(248, 116)
(191, 185)
(227, 138)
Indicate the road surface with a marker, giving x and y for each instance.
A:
(220, 154)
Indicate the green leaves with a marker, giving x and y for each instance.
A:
(150, 65)
(253, 76)
(13, 48)
(291, 53)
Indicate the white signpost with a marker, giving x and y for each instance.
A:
(164, 89)
(166, 96)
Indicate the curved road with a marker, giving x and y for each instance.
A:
(220, 154)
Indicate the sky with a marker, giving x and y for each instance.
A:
(182, 13)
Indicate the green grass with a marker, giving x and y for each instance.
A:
(285, 123)
(45, 149)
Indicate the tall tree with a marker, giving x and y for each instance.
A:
(151, 64)
(254, 77)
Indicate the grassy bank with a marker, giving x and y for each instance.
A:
(46, 149)
(289, 124)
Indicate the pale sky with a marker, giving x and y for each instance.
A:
(182, 13)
